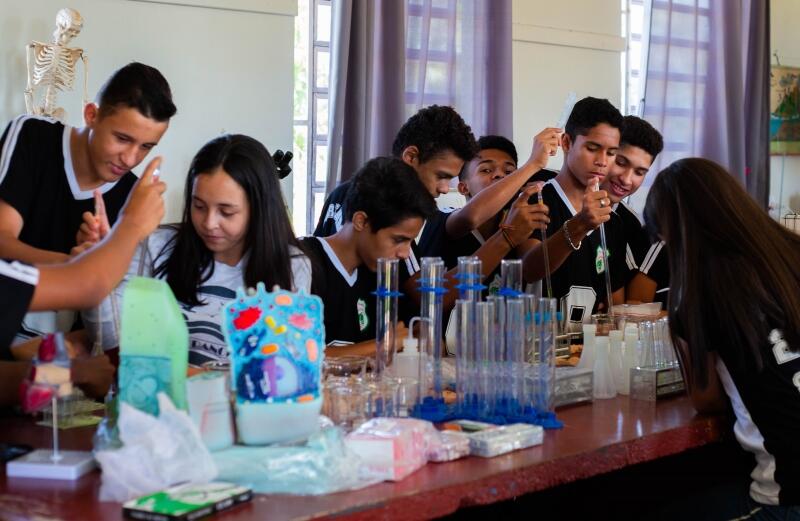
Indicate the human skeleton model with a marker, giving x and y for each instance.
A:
(54, 65)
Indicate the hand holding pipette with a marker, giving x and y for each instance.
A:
(554, 136)
(545, 145)
(605, 204)
(524, 216)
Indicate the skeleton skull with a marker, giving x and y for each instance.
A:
(69, 23)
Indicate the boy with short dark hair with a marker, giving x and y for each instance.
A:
(82, 282)
(640, 144)
(590, 142)
(385, 208)
(61, 187)
(49, 171)
(495, 162)
(435, 142)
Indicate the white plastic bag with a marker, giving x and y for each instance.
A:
(322, 465)
(156, 453)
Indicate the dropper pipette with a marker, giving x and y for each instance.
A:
(606, 267)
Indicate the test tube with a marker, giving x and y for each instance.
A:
(669, 349)
(647, 355)
(425, 368)
(498, 384)
(386, 314)
(432, 290)
(465, 352)
(530, 360)
(661, 339)
(516, 333)
(547, 355)
(511, 277)
(480, 369)
(470, 275)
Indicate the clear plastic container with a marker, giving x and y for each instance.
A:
(505, 439)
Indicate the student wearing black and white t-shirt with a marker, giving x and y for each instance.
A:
(385, 207)
(435, 142)
(590, 141)
(651, 282)
(735, 313)
(49, 171)
(78, 284)
(487, 181)
(235, 233)
(639, 146)
(53, 177)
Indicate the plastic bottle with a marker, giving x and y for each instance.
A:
(154, 346)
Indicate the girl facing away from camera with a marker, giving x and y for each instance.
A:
(734, 315)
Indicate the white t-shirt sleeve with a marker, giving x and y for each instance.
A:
(301, 273)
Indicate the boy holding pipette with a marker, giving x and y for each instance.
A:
(487, 182)
(577, 266)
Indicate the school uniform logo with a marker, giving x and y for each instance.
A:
(494, 285)
(363, 319)
(599, 265)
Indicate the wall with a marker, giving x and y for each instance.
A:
(229, 63)
(785, 40)
(562, 47)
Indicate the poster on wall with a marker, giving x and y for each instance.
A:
(784, 108)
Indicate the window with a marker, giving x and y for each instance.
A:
(430, 53)
(633, 59)
(312, 36)
(677, 74)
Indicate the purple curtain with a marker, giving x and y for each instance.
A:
(366, 83)
(390, 58)
(459, 54)
(707, 85)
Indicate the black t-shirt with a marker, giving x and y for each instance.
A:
(579, 283)
(434, 234)
(38, 181)
(767, 408)
(17, 282)
(435, 242)
(636, 239)
(349, 300)
(331, 218)
(543, 175)
(656, 266)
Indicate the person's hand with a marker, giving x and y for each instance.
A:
(95, 226)
(145, 207)
(93, 375)
(81, 248)
(545, 145)
(596, 208)
(525, 216)
(400, 332)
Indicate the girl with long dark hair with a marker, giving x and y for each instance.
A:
(235, 232)
(734, 315)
